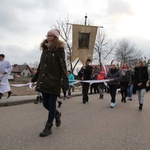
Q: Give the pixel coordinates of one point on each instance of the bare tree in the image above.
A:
(65, 33)
(126, 52)
(102, 49)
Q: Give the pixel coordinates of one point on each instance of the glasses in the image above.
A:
(48, 36)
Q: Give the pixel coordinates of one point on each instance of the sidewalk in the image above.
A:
(16, 100)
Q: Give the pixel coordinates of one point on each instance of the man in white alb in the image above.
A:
(5, 70)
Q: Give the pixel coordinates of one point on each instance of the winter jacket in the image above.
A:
(140, 75)
(52, 69)
(86, 73)
(71, 79)
(114, 74)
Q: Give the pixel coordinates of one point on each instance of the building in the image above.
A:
(21, 70)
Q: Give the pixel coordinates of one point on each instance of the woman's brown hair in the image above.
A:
(54, 45)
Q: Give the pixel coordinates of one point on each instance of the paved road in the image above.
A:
(90, 126)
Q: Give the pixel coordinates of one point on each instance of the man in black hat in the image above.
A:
(85, 73)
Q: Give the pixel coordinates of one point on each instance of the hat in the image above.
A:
(89, 60)
(102, 72)
(115, 63)
(2, 55)
(55, 32)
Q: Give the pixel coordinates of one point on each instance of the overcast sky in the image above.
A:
(24, 23)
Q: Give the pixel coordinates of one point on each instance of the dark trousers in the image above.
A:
(85, 91)
(124, 88)
(49, 102)
(64, 91)
(112, 91)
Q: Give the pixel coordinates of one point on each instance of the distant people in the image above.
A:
(63, 90)
(140, 80)
(38, 98)
(5, 70)
(148, 85)
(85, 74)
(125, 81)
(51, 69)
(131, 84)
(114, 76)
(94, 85)
(101, 76)
(71, 82)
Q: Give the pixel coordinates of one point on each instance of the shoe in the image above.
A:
(112, 105)
(130, 99)
(37, 100)
(84, 101)
(41, 100)
(59, 103)
(64, 98)
(140, 106)
(47, 130)
(101, 96)
(68, 97)
(124, 100)
(9, 93)
(57, 119)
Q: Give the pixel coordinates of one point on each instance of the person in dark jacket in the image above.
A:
(114, 76)
(85, 74)
(140, 80)
(125, 81)
(51, 70)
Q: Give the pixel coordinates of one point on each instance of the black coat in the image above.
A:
(113, 74)
(86, 73)
(140, 75)
(52, 69)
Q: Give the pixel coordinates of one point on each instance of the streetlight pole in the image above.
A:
(85, 18)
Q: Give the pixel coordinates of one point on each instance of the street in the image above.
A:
(90, 126)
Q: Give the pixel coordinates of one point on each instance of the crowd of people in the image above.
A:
(128, 80)
(50, 82)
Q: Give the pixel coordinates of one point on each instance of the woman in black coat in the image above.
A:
(114, 76)
(52, 69)
(140, 79)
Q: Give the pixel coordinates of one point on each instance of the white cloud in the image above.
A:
(24, 23)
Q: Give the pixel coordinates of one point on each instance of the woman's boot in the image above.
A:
(47, 130)
(57, 119)
(140, 106)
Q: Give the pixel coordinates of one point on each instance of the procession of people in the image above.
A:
(51, 82)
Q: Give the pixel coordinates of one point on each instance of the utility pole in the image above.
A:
(85, 19)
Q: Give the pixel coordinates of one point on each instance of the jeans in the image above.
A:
(69, 90)
(130, 91)
(141, 95)
(49, 103)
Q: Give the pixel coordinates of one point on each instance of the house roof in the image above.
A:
(19, 68)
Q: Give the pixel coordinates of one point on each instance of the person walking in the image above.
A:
(5, 70)
(71, 82)
(101, 76)
(125, 81)
(85, 74)
(131, 84)
(114, 76)
(51, 70)
(140, 80)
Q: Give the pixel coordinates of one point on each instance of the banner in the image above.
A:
(83, 42)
